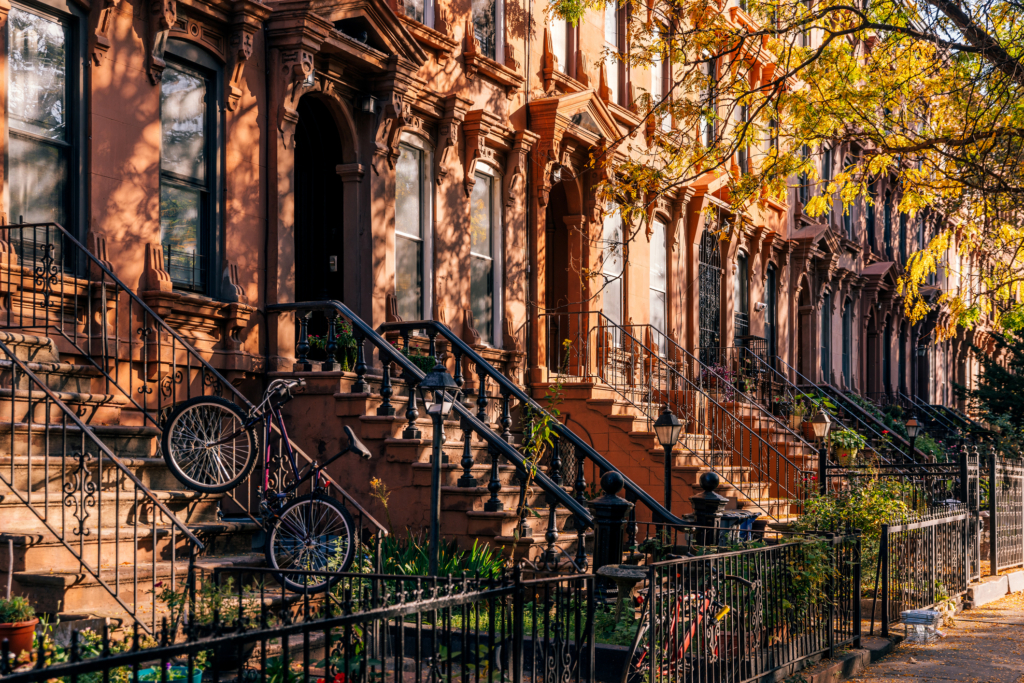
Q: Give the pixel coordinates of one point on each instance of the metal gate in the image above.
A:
(710, 297)
(1007, 514)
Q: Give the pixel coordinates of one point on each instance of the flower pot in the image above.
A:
(18, 635)
(795, 421)
(846, 456)
(808, 431)
(179, 673)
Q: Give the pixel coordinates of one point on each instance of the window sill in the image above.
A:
(502, 75)
(565, 82)
(442, 44)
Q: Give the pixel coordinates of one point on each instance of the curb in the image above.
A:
(993, 588)
(850, 663)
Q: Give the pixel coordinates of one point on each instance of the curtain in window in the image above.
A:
(409, 232)
(481, 289)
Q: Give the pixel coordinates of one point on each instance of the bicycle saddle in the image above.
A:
(355, 445)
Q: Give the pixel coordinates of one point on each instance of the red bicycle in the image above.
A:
(691, 621)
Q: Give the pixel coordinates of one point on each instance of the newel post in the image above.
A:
(609, 513)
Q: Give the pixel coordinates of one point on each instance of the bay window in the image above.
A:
(189, 166)
(484, 254)
(412, 230)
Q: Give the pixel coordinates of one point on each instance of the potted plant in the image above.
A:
(796, 415)
(17, 623)
(174, 673)
(847, 443)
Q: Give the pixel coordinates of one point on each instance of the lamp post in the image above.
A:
(441, 387)
(822, 425)
(913, 429)
(667, 428)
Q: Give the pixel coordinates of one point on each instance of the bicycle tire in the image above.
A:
(186, 440)
(283, 538)
(639, 651)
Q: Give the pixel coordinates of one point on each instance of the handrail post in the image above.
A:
(857, 616)
(518, 613)
(964, 485)
(883, 553)
(993, 551)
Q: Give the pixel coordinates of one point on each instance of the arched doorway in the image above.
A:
(709, 297)
(318, 204)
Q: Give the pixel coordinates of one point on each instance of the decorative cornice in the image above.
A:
(477, 125)
(515, 171)
(162, 16)
(455, 107)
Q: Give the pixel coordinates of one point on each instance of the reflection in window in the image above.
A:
(741, 296)
(485, 13)
(414, 9)
(613, 45)
(826, 338)
(560, 43)
(612, 265)
(870, 206)
(710, 102)
(659, 283)
(40, 137)
(409, 232)
(483, 204)
(184, 179)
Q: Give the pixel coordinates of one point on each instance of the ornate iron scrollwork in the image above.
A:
(46, 273)
(709, 297)
(168, 383)
(80, 493)
(210, 380)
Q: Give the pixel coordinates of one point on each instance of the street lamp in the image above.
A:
(822, 425)
(440, 386)
(667, 428)
(913, 429)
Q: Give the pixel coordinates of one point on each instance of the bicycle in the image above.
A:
(211, 445)
(675, 640)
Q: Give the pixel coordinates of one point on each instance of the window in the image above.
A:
(773, 135)
(412, 230)
(848, 210)
(658, 89)
(189, 210)
(741, 296)
(560, 43)
(826, 178)
(659, 281)
(869, 220)
(887, 225)
(420, 10)
(903, 237)
(484, 249)
(826, 339)
(613, 43)
(770, 312)
(487, 20)
(742, 154)
(847, 342)
(611, 267)
(42, 148)
(709, 131)
(805, 35)
(803, 189)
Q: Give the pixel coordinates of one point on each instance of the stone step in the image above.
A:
(454, 498)
(55, 473)
(452, 472)
(30, 347)
(58, 376)
(33, 405)
(419, 450)
(124, 441)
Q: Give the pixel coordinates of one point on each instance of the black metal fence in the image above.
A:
(1006, 512)
(737, 616)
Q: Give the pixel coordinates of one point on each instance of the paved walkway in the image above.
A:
(985, 646)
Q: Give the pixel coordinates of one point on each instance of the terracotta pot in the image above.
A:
(795, 421)
(846, 456)
(18, 635)
(808, 431)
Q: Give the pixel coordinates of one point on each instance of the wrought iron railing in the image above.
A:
(84, 494)
(56, 288)
(703, 397)
(936, 423)
(1005, 527)
(186, 268)
(500, 441)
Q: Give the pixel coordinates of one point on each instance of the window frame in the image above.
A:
(499, 31)
(847, 334)
(612, 213)
(650, 280)
(185, 55)
(486, 173)
(75, 194)
(428, 13)
(426, 220)
(741, 296)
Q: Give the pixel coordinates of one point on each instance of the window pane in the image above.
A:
(612, 238)
(414, 9)
(408, 206)
(558, 43)
(484, 26)
(409, 278)
(480, 216)
(38, 74)
(658, 316)
(611, 25)
(481, 296)
(183, 116)
(659, 259)
(36, 181)
(180, 217)
(611, 300)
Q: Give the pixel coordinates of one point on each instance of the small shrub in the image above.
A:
(15, 609)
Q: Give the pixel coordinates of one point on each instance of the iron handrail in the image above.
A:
(188, 348)
(835, 393)
(928, 410)
(699, 390)
(493, 439)
(968, 425)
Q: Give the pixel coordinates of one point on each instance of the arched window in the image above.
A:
(659, 282)
(45, 121)
(485, 254)
(848, 343)
(191, 121)
(413, 229)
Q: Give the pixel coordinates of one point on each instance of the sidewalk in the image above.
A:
(986, 645)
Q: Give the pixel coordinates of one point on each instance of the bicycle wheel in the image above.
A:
(636, 667)
(312, 533)
(207, 446)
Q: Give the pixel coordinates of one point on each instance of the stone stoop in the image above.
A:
(119, 536)
(315, 419)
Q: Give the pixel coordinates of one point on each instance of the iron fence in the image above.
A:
(1006, 512)
(737, 616)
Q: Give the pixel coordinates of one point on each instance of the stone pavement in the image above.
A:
(985, 646)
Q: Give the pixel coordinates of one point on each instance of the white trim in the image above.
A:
(427, 211)
(497, 252)
(499, 31)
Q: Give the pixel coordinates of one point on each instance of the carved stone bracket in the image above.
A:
(477, 125)
(677, 225)
(515, 170)
(101, 36)
(247, 20)
(544, 162)
(162, 15)
(297, 65)
(399, 87)
(231, 290)
(156, 276)
(455, 108)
